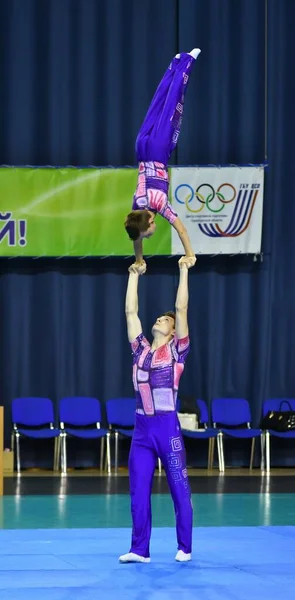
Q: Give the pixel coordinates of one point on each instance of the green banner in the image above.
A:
(70, 212)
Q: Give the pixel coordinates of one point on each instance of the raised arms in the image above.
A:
(134, 327)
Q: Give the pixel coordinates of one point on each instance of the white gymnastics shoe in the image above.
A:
(182, 557)
(195, 53)
(131, 557)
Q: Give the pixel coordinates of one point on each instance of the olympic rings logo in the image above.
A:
(225, 193)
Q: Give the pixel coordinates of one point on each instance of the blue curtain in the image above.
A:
(224, 118)
(279, 207)
(77, 77)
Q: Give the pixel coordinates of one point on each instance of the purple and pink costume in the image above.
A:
(157, 433)
(158, 138)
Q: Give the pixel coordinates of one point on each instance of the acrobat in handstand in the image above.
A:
(157, 138)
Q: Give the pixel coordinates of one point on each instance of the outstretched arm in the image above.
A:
(162, 206)
(181, 304)
(182, 232)
(131, 305)
(138, 251)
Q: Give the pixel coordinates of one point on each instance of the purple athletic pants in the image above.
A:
(160, 130)
(158, 436)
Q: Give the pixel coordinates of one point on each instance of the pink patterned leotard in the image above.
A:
(152, 190)
(156, 374)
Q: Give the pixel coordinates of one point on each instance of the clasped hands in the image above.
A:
(185, 262)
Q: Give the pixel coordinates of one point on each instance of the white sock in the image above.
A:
(195, 53)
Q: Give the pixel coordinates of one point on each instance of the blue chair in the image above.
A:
(276, 404)
(232, 416)
(34, 418)
(120, 416)
(80, 417)
(207, 433)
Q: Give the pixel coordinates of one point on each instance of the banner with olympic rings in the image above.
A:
(221, 207)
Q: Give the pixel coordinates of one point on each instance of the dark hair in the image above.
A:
(170, 314)
(136, 222)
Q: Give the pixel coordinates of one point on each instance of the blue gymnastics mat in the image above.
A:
(229, 563)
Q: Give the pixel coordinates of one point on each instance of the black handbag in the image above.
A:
(280, 420)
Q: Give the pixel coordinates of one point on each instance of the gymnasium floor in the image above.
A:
(61, 537)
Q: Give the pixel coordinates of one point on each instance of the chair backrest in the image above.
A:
(230, 411)
(79, 411)
(277, 404)
(32, 411)
(203, 409)
(121, 411)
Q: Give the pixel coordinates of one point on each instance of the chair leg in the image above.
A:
(252, 453)
(56, 454)
(212, 453)
(209, 453)
(267, 449)
(220, 452)
(105, 462)
(64, 454)
(262, 446)
(62, 466)
(108, 436)
(17, 453)
(59, 454)
(116, 451)
(101, 453)
(159, 466)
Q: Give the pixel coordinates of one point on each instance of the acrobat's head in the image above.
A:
(165, 326)
(140, 224)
